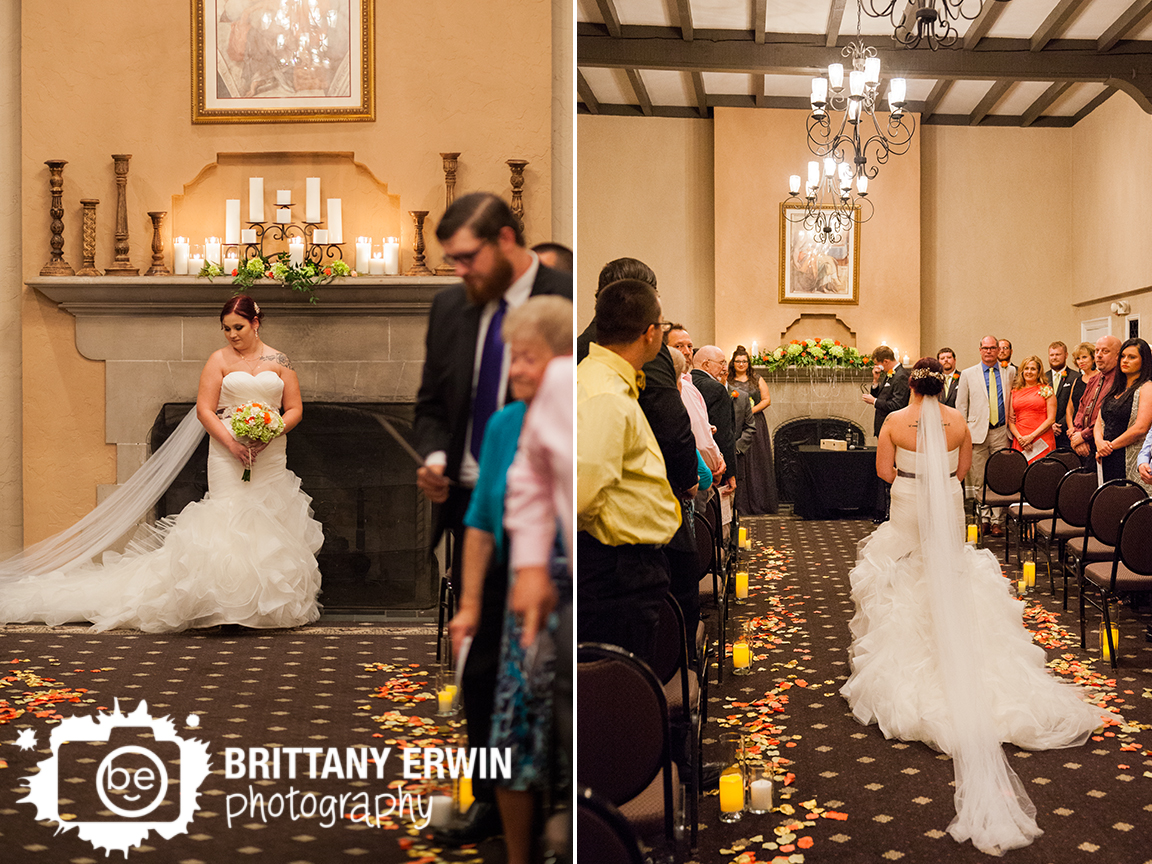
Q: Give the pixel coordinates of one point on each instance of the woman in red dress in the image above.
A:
(1032, 411)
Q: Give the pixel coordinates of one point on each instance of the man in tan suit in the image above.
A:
(987, 420)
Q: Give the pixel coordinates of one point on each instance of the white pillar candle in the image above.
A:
(248, 235)
(283, 215)
(180, 256)
(296, 251)
(335, 221)
(761, 795)
(320, 236)
(377, 264)
(255, 199)
(231, 262)
(440, 810)
(195, 264)
(392, 256)
(363, 255)
(232, 221)
(212, 249)
(283, 196)
(312, 200)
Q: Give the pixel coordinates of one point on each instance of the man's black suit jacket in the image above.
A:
(951, 388)
(721, 414)
(444, 400)
(891, 395)
(1063, 388)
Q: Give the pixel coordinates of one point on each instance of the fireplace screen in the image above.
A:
(377, 525)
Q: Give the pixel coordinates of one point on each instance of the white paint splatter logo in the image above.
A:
(131, 781)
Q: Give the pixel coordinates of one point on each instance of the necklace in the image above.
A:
(259, 350)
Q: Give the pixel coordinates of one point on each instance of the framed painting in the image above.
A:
(282, 61)
(813, 270)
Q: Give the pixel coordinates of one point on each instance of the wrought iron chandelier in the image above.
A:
(858, 137)
(932, 21)
(828, 207)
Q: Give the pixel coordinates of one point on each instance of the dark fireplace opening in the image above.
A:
(377, 525)
(806, 430)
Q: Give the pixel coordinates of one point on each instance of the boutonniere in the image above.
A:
(955, 376)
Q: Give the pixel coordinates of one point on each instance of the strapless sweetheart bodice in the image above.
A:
(240, 387)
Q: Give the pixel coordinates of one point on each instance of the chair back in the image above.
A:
(1069, 458)
(1133, 545)
(605, 835)
(1041, 480)
(1073, 495)
(1107, 508)
(671, 654)
(623, 721)
(1004, 471)
(705, 547)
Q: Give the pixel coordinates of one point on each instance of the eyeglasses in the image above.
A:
(465, 259)
(665, 326)
(989, 347)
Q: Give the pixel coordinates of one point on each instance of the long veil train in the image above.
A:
(992, 808)
(114, 516)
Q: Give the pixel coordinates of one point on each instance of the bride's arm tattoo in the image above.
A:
(280, 358)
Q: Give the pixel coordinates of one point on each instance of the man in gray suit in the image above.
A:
(983, 397)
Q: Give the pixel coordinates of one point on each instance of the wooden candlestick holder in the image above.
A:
(419, 268)
(158, 268)
(56, 265)
(121, 264)
(450, 163)
(89, 268)
(518, 166)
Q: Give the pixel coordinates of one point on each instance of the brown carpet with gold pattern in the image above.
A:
(856, 797)
(339, 689)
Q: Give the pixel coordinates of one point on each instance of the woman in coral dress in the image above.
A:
(1032, 411)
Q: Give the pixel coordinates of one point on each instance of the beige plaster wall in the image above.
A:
(645, 190)
(11, 511)
(563, 112)
(756, 151)
(476, 78)
(999, 246)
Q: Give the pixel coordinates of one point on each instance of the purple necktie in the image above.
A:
(488, 382)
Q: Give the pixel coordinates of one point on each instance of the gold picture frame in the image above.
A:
(819, 273)
(247, 62)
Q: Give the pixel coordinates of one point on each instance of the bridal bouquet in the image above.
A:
(255, 422)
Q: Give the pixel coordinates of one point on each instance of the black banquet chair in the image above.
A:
(605, 835)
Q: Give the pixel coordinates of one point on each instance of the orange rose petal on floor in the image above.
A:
(805, 842)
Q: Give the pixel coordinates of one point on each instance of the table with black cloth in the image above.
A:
(835, 483)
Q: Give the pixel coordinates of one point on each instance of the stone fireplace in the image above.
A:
(358, 352)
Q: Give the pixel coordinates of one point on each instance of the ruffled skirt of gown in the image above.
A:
(243, 554)
(896, 681)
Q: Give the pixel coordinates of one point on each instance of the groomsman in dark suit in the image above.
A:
(890, 392)
(710, 366)
(947, 358)
(1062, 383)
(464, 382)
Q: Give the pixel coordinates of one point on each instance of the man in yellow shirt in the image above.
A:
(625, 509)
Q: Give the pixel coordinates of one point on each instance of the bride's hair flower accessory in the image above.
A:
(922, 372)
(256, 306)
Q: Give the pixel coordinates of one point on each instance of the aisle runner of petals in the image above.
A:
(764, 737)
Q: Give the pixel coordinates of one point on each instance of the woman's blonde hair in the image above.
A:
(547, 317)
(1085, 346)
(1018, 381)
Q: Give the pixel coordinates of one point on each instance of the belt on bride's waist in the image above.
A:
(912, 476)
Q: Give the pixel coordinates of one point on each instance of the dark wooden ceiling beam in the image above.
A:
(701, 96)
(939, 91)
(1132, 18)
(1045, 101)
(586, 93)
(991, 98)
(759, 19)
(684, 11)
(641, 91)
(1100, 99)
(983, 22)
(1054, 24)
(611, 19)
(835, 16)
(1130, 72)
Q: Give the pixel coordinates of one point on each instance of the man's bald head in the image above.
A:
(1107, 353)
(711, 360)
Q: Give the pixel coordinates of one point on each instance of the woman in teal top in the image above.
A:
(535, 333)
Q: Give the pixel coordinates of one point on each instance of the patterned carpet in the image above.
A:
(343, 687)
(858, 797)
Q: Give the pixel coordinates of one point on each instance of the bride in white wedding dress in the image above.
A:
(244, 554)
(939, 651)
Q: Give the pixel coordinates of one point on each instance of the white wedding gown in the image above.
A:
(243, 554)
(940, 655)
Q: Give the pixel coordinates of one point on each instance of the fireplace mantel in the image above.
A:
(180, 296)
